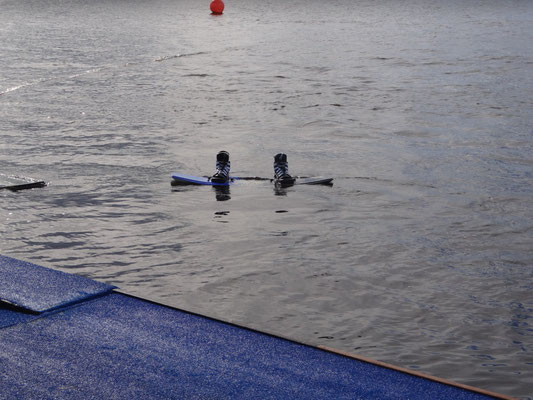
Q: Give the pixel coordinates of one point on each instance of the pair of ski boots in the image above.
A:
(281, 169)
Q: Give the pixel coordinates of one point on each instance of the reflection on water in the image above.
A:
(222, 193)
(280, 190)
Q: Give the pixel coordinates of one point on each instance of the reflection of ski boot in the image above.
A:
(281, 170)
(222, 168)
(222, 192)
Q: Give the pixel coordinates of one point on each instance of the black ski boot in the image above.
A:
(221, 174)
(281, 170)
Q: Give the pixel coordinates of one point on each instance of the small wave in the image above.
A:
(198, 53)
(165, 58)
(12, 89)
(23, 85)
(89, 71)
(171, 57)
(51, 79)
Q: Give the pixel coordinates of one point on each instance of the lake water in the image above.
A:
(420, 254)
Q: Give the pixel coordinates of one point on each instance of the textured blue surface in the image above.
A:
(10, 316)
(40, 289)
(118, 347)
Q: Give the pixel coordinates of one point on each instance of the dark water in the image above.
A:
(421, 254)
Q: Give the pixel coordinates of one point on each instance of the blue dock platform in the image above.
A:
(64, 336)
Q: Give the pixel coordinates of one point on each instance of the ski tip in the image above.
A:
(318, 180)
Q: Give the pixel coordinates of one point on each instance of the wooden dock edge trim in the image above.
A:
(329, 349)
(416, 373)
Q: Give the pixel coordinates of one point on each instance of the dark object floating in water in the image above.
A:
(19, 184)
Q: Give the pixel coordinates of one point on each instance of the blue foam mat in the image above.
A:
(39, 289)
(119, 347)
(10, 316)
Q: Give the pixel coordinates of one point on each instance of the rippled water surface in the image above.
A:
(420, 254)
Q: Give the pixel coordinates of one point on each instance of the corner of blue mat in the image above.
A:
(38, 289)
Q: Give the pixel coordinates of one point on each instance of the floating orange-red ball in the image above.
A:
(217, 6)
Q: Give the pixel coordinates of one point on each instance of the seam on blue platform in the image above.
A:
(24, 310)
(80, 301)
(56, 310)
(17, 308)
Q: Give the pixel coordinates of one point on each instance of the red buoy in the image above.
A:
(217, 6)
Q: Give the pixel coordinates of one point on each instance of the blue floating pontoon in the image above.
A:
(63, 336)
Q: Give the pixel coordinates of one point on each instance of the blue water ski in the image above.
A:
(184, 179)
